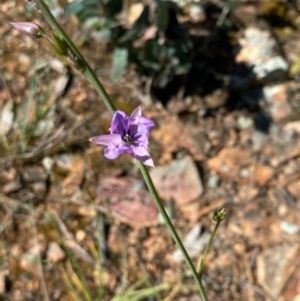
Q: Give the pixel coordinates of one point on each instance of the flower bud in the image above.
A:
(30, 29)
(219, 215)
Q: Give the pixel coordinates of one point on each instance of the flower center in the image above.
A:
(127, 139)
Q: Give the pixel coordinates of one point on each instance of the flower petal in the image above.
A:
(141, 154)
(141, 136)
(107, 139)
(146, 122)
(135, 115)
(119, 123)
(114, 151)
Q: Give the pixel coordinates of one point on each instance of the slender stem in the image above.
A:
(89, 73)
(201, 263)
(171, 228)
(87, 70)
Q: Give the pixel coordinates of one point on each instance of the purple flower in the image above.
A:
(128, 134)
(30, 29)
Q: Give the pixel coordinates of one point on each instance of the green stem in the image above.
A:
(87, 70)
(201, 263)
(171, 228)
(89, 73)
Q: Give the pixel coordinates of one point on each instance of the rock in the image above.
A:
(229, 162)
(8, 175)
(174, 134)
(80, 235)
(129, 200)
(282, 146)
(244, 173)
(61, 84)
(30, 261)
(134, 213)
(289, 228)
(169, 139)
(293, 126)
(48, 163)
(74, 166)
(178, 180)
(63, 163)
(213, 181)
(12, 186)
(127, 188)
(196, 141)
(258, 140)
(196, 13)
(253, 221)
(294, 188)
(261, 173)
(54, 252)
(39, 189)
(278, 105)
(261, 53)
(34, 173)
(245, 122)
(246, 194)
(190, 211)
(283, 199)
(275, 267)
(6, 117)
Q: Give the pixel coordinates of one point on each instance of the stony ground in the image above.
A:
(75, 226)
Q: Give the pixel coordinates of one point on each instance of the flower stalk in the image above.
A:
(217, 217)
(89, 73)
(85, 67)
(171, 228)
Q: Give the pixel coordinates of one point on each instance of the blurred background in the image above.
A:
(221, 81)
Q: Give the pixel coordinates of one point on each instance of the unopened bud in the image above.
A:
(219, 215)
(30, 29)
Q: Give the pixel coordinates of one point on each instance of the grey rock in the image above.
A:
(213, 181)
(245, 122)
(275, 265)
(34, 173)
